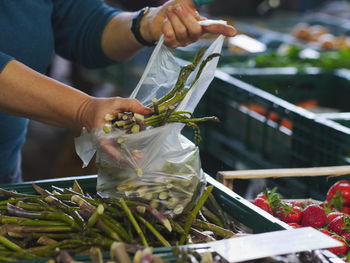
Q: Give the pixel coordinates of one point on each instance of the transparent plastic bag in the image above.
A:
(159, 166)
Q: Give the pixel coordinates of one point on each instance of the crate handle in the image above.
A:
(227, 177)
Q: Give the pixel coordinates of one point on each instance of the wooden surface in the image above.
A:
(227, 177)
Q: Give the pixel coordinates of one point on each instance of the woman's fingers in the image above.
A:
(131, 105)
(169, 35)
(177, 25)
(182, 28)
(108, 146)
(225, 30)
(189, 21)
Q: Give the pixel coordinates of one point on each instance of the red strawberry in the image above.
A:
(325, 231)
(345, 209)
(295, 203)
(339, 191)
(295, 225)
(340, 225)
(263, 204)
(341, 250)
(289, 214)
(346, 236)
(261, 195)
(333, 215)
(313, 215)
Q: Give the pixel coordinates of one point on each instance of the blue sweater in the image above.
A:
(31, 32)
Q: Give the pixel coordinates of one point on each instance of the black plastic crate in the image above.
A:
(332, 141)
(260, 139)
(267, 119)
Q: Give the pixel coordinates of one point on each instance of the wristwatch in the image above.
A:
(135, 27)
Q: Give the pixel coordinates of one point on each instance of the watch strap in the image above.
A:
(135, 27)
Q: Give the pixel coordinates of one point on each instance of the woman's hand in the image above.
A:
(91, 115)
(178, 21)
(92, 111)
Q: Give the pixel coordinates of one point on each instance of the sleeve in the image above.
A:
(78, 26)
(4, 59)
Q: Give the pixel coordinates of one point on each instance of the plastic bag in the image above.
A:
(160, 166)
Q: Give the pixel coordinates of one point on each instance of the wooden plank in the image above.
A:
(226, 176)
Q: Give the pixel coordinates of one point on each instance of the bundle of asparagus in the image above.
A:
(164, 109)
(119, 253)
(156, 167)
(68, 219)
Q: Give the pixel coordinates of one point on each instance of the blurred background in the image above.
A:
(285, 106)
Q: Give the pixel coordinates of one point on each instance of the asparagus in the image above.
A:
(96, 214)
(21, 221)
(9, 244)
(160, 217)
(40, 190)
(17, 211)
(217, 208)
(118, 252)
(154, 231)
(28, 229)
(217, 230)
(64, 257)
(77, 188)
(32, 231)
(201, 237)
(134, 222)
(96, 255)
(211, 216)
(164, 108)
(45, 240)
(67, 209)
(107, 230)
(29, 206)
(191, 217)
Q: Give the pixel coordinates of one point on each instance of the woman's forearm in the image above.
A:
(118, 42)
(26, 93)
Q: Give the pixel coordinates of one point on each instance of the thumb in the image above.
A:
(133, 105)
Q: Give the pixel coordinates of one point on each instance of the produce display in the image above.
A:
(320, 36)
(295, 56)
(331, 216)
(35, 226)
(70, 225)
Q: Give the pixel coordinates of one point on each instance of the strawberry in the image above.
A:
(295, 203)
(345, 209)
(289, 214)
(325, 231)
(261, 195)
(339, 194)
(340, 225)
(346, 236)
(313, 215)
(263, 204)
(295, 225)
(341, 250)
(333, 215)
